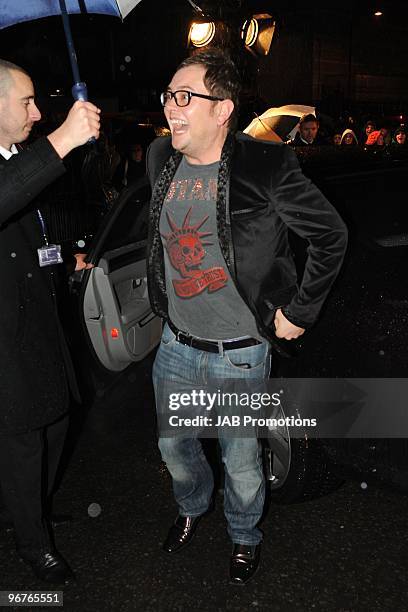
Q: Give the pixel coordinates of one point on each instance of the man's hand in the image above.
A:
(286, 329)
(81, 124)
(81, 264)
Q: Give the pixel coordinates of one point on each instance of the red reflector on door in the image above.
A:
(114, 332)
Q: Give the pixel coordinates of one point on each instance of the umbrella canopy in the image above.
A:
(17, 11)
(278, 123)
(260, 129)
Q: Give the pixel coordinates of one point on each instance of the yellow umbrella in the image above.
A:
(259, 129)
(281, 121)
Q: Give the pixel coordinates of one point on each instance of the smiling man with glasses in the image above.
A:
(221, 275)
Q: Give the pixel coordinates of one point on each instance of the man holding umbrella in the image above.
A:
(308, 132)
(36, 370)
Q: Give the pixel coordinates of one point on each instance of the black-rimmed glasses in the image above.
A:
(183, 97)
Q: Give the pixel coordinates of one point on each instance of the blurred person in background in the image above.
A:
(308, 133)
(400, 137)
(348, 138)
(99, 165)
(132, 165)
(368, 129)
(376, 139)
(386, 136)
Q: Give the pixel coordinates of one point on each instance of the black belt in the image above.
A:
(208, 345)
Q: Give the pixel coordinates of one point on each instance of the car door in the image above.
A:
(120, 325)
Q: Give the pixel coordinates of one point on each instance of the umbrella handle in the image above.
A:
(80, 92)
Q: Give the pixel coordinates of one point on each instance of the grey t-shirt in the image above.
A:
(203, 299)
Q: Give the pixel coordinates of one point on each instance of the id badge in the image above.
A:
(49, 255)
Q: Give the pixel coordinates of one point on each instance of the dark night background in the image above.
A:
(344, 552)
(338, 55)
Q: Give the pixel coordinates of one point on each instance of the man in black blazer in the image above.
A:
(308, 133)
(221, 274)
(35, 367)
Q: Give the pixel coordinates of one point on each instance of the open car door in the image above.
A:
(119, 321)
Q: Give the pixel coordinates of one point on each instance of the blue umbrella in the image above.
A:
(17, 11)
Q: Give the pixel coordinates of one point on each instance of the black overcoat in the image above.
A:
(34, 361)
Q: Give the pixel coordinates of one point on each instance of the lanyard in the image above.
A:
(43, 227)
(39, 215)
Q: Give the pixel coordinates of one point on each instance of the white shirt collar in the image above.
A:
(6, 153)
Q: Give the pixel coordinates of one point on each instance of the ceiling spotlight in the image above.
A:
(201, 34)
(250, 31)
(378, 13)
(258, 32)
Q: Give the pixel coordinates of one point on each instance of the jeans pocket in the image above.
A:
(167, 336)
(248, 359)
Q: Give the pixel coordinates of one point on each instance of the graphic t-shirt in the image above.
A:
(203, 299)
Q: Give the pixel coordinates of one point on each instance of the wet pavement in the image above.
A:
(344, 552)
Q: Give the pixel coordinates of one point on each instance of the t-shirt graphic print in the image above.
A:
(185, 246)
(202, 297)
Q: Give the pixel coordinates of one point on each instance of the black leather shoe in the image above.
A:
(244, 563)
(181, 533)
(55, 519)
(49, 566)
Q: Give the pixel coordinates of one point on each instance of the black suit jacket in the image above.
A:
(34, 358)
(261, 193)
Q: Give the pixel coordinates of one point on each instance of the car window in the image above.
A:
(129, 225)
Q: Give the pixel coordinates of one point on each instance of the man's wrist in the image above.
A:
(60, 143)
(292, 319)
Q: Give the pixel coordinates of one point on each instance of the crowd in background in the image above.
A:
(98, 173)
(370, 135)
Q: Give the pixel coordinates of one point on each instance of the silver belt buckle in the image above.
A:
(186, 340)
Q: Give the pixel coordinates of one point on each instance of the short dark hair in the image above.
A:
(5, 76)
(221, 78)
(307, 118)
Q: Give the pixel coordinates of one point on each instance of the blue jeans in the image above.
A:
(244, 489)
